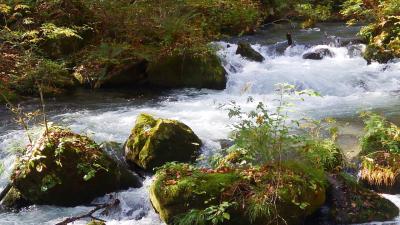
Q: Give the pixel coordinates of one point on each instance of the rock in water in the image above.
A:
(318, 54)
(353, 204)
(153, 142)
(202, 70)
(180, 188)
(245, 50)
(64, 168)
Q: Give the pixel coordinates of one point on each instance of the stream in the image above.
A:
(347, 84)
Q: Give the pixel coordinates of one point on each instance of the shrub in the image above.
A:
(383, 31)
(380, 135)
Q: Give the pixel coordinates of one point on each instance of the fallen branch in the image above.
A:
(90, 213)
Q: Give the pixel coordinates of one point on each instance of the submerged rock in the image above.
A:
(153, 142)
(64, 168)
(351, 203)
(246, 51)
(380, 171)
(179, 189)
(203, 70)
(318, 54)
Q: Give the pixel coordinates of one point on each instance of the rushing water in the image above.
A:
(348, 85)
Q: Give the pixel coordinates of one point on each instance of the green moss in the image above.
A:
(96, 222)
(155, 142)
(14, 199)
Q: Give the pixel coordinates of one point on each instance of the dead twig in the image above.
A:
(90, 213)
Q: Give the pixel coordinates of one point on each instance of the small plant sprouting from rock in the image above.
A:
(21, 118)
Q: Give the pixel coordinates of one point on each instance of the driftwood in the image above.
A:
(115, 202)
(5, 191)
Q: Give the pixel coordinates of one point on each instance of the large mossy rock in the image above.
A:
(246, 51)
(153, 142)
(354, 204)
(179, 189)
(380, 171)
(64, 168)
(203, 70)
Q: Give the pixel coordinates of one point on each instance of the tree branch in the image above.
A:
(90, 213)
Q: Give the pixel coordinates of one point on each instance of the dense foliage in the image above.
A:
(380, 135)
(56, 43)
(382, 31)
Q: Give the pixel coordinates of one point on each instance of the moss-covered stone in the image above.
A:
(179, 188)
(352, 203)
(245, 50)
(14, 200)
(154, 142)
(381, 171)
(64, 168)
(203, 70)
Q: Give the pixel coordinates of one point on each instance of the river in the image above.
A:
(347, 85)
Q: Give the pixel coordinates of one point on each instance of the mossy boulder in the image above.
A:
(246, 51)
(380, 171)
(202, 70)
(64, 168)
(351, 203)
(179, 189)
(153, 142)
